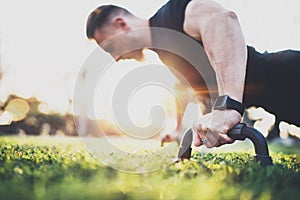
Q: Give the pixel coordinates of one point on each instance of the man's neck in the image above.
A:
(146, 35)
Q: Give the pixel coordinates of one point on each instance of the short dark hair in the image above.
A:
(101, 16)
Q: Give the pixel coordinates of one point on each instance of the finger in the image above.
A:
(226, 139)
(197, 139)
(212, 139)
(218, 143)
(217, 139)
(202, 132)
(202, 129)
(223, 139)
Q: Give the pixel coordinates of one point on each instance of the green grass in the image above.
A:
(60, 168)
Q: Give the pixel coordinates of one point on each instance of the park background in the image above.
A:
(43, 47)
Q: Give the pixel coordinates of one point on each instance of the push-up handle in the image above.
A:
(239, 132)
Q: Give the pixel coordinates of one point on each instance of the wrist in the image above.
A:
(234, 114)
(234, 96)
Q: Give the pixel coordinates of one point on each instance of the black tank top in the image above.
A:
(171, 16)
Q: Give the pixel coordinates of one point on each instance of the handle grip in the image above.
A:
(239, 132)
(236, 133)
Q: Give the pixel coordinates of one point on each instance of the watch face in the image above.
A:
(221, 103)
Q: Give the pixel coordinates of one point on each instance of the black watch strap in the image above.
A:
(225, 102)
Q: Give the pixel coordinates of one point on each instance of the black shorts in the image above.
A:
(273, 82)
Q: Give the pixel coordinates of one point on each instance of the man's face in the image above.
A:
(119, 44)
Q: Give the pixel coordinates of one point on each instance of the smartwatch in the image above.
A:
(225, 102)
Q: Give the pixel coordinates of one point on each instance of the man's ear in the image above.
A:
(120, 23)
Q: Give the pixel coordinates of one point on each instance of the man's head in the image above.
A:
(112, 28)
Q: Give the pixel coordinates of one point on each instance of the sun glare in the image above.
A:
(142, 100)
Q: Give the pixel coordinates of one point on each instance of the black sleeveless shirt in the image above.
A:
(171, 16)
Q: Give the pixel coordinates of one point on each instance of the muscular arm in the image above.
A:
(220, 32)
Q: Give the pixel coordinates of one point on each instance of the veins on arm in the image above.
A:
(223, 40)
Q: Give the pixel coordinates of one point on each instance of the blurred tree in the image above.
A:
(0, 57)
(1, 70)
(34, 121)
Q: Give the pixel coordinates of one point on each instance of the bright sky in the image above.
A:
(43, 43)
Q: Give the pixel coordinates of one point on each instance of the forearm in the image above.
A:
(226, 49)
(220, 32)
(222, 37)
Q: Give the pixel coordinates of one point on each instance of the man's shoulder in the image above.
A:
(170, 15)
(174, 5)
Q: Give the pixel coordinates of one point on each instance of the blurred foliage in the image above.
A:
(34, 122)
(31, 171)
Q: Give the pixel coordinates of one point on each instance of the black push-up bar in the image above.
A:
(239, 132)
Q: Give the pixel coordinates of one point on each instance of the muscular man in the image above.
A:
(244, 76)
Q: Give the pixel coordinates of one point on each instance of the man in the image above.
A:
(244, 76)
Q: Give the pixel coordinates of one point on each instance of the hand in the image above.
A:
(174, 136)
(212, 128)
